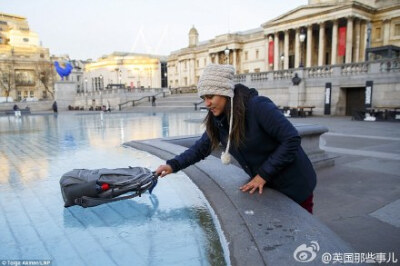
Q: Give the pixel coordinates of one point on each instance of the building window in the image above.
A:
(397, 30)
(185, 79)
(245, 71)
(25, 39)
(41, 55)
(185, 65)
(256, 70)
(246, 55)
(197, 63)
(257, 53)
(377, 34)
(19, 96)
(31, 94)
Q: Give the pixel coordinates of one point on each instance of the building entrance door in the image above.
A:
(355, 100)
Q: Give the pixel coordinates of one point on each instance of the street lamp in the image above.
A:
(302, 37)
(101, 82)
(226, 51)
(368, 41)
(165, 80)
(282, 59)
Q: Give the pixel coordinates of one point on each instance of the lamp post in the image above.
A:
(302, 37)
(101, 82)
(368, 41)
(226, 51)
(282, 59)
(165, 80)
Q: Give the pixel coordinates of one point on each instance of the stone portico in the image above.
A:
(324, 42)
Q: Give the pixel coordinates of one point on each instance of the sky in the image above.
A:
(86, 29)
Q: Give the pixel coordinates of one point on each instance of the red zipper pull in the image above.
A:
(105, 187)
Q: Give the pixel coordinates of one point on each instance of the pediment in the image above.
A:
(301, 12)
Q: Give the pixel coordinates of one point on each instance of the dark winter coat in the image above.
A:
(271, 149)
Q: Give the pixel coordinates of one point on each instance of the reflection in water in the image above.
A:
(171, 227)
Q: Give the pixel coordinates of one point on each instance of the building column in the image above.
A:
(268, 68)
(309, 46)
(276, 51)
(297, 49)
(334, 42)
(349, 40)
(286, 50)
(234, 58)
(321, 44)
(386, 31)
(357, 33)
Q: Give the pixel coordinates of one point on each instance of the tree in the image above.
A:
(45, 75)
(6, 80)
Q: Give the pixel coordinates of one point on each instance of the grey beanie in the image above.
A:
(217, 80)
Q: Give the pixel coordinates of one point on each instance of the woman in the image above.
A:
(255, 132)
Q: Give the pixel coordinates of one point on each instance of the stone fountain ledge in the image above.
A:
(260, 229)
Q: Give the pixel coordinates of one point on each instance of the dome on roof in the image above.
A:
(193, 31)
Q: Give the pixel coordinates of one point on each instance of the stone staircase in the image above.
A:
(178, 102)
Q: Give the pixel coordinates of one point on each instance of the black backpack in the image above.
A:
(89, 188)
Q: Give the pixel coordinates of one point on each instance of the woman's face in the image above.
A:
(215, 103)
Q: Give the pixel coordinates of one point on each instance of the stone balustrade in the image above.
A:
(327, 71)
(354, 69)
(259, 77)
(283, 74)
(318, 72)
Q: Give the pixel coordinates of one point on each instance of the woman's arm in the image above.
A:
(198, 151)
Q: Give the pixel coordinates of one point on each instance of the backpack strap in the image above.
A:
(91, 202)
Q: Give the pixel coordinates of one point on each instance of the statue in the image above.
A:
(296, 80)
(63, 72)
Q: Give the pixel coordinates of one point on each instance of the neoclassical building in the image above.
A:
(25, 66)
(130, 70)
(324, 32)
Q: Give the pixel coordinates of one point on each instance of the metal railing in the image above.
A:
(134, 102)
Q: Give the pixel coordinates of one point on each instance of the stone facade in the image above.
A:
(25, 67)
(124, 69)
(325, 41)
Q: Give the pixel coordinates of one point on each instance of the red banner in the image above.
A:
(342, 41)
(271, 52)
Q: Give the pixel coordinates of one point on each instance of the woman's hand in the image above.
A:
(164, 170)
(256, 182)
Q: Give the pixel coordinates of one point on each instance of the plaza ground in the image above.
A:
(359, 197)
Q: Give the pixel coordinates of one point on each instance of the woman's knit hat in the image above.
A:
(218, 80)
